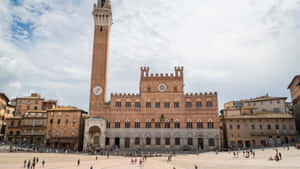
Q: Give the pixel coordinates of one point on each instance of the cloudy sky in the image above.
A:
(240, 49)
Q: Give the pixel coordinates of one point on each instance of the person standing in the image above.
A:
(25, 163)
(37, 160)
(78, 162)
(91, 167)
(196, 167)
(43, 163)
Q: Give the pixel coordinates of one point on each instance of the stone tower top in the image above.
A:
(102, 13)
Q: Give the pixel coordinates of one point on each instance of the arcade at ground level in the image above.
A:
(224, 160)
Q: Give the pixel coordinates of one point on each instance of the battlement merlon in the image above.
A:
(125, 95)
(200, 94)
(102, 13)
(160, 76)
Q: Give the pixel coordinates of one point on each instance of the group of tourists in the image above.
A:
(277, 156)
(33, 164)
(246, 154)
(141, 160)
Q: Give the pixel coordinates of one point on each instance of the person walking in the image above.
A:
(196, 167)
(25, 161)
(33, 165)
(37, 160)
(43, 163)
(280, 156)
(91, 167)
(78, 162)
(28, 164)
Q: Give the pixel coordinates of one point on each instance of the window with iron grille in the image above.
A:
(210, 124)
(137, 124)
(148, 141)
(176, 104)
(157, 105)
(189, 125)
(157, 141)
(188, 104)
(127, 124)
(199, 124)
(167, 105)
(167, 141)
(198, 104)
(148, 124)
(137, 104)
(209, 104)
(190, 141)
(176, 125)
(177, 141)
(137, 141)
(128, 104)
(148, 105)
(167, 124)
(117, 124)
(157, 124)
(118, 104)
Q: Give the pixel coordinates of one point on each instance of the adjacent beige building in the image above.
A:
(32, 102)
(29, 129)
(259, 121)
(6, 110)
(295, 95)
(65, 128)
(3, 106)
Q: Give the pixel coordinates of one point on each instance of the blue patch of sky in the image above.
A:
(21, 30)
(16, 2)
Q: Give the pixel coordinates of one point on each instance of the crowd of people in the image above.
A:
(277, 155)
(246, 154)
(34, 163)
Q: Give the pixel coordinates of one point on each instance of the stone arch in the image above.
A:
(94, 136)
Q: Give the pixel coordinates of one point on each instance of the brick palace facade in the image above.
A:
(160, 117)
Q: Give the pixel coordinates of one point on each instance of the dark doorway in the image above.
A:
(248, 144)
(263, 142)
(117, 142)
(240, 143)
(127, 142)
(286, 139)
(200, 143)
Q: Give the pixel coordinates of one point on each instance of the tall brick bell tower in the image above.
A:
(102, 13)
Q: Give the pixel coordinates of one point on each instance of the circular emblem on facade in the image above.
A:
(97, 90)
(162, 87)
